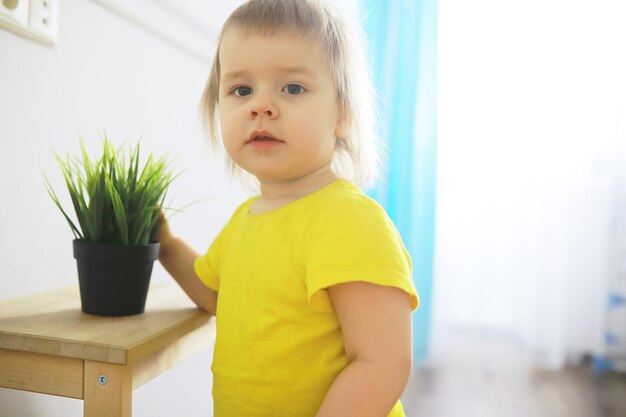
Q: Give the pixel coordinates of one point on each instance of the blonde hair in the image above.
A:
(357, 157)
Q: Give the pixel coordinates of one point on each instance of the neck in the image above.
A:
(286, 191)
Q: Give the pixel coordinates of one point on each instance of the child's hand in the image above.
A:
(163, 234)
(178, 258)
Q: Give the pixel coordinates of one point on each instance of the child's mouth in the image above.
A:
(263, 140)
(261, 136)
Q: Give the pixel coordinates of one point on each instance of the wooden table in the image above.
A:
(48, 345)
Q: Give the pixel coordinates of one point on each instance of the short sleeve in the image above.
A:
(208, 266)
(356, 242)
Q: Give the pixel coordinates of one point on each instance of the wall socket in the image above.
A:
(34, 19)
(43, 17)
(15, 11)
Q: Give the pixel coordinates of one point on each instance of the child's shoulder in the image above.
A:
(244, 207)
(344, 199)
(346, 194)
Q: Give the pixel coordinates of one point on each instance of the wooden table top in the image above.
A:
(52, 323)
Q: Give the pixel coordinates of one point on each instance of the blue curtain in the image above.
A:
(402, 38)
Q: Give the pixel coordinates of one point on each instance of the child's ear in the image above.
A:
(341, 129)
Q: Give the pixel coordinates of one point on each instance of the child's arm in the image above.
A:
(177, 257)
(376, 325)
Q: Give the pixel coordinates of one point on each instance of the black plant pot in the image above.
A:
(114, 279)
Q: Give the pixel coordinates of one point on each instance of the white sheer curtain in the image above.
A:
(529, 113)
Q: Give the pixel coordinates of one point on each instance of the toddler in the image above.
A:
(309, 281)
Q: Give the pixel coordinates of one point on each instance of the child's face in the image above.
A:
(278, 106)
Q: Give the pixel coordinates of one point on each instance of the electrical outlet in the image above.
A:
(14, 11)
(33, 19)
(43, 17)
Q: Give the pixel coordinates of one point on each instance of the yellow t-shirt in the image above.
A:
(279, 344)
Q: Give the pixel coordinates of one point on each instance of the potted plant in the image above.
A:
(116, 200)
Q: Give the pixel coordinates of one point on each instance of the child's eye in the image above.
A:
(242, 91)
(293, 89)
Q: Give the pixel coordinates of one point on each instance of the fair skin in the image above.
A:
(277, 87)
(177, 257)
(280, 121)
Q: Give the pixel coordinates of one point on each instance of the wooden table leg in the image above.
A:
(108, 390)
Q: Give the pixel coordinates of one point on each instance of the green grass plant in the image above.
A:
(115, 197)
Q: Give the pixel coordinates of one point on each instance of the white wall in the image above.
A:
(105, 73)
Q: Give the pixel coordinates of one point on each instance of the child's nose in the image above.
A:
(262, 107)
